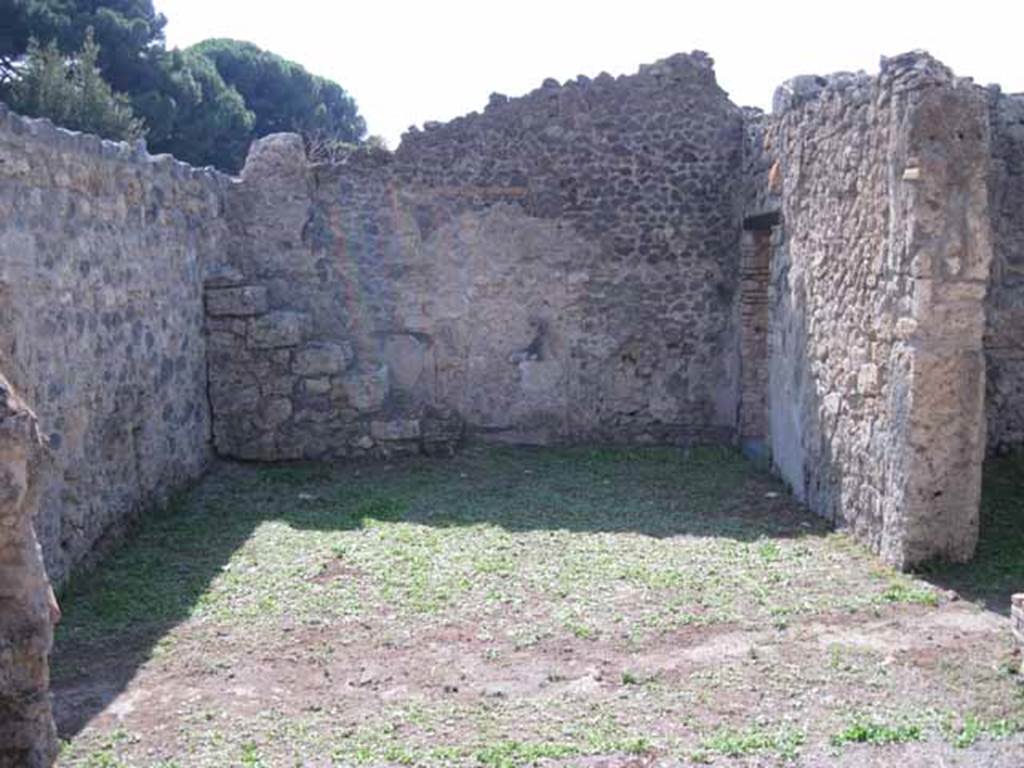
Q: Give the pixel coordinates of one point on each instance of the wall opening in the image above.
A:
(754, 301)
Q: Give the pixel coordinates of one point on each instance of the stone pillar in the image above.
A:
(27, 611)
(877, 371)
(942, 204)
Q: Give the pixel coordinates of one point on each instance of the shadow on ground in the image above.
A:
(997, 570)
(161, 576)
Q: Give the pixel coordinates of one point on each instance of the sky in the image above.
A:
(406, 63)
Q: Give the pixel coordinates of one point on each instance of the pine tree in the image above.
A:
(72, 92)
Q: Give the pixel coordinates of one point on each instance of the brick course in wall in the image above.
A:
(754, 304)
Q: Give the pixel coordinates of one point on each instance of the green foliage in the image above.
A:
(282, 95)
(73, 93)
(971, 728)
(204, 105)
(124, 30)
(195, 115)
(865, 731)
(512, 754)
(785, 742)
(910, 594)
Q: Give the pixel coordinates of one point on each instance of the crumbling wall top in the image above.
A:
(692, 72)
(906, 71)
(43, 131)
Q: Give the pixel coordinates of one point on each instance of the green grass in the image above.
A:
(783, 742)
(971, 728)
(571, 524)
(909, 594)
(866, 730)
(609, 574)
(512, 754)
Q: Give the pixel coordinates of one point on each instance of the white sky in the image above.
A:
(409, 62)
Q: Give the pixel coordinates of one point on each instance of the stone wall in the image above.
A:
(876, 390)
(561, 266)
(101, 321)
(1004, 334)
(568, 265)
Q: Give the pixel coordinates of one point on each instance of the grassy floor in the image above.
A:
(514, 606)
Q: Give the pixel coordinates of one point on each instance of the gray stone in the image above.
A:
(318, 386)
(366, 390)
(396, 429)
(273, 156)
(322, 358)
(103, 255)
(441, 431)
(796, 91)
(277, 329)
(875, 404)
(363, 442)
(223, 276)
(238, 302)
(566, 266)
(275, 412)
(406, 358)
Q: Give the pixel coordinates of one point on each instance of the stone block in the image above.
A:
(278, 385)
(322, 359)
(366, 390)
(274, 412)
(441, 431)
(406, 358)
(362, 443)
(223, 276)
(317, 386)
(867, 379)
(243, 301)
(541, 377)
(234, 399)
(277, 329)
(395, 429)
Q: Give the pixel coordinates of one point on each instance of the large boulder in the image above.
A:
(28, 738)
